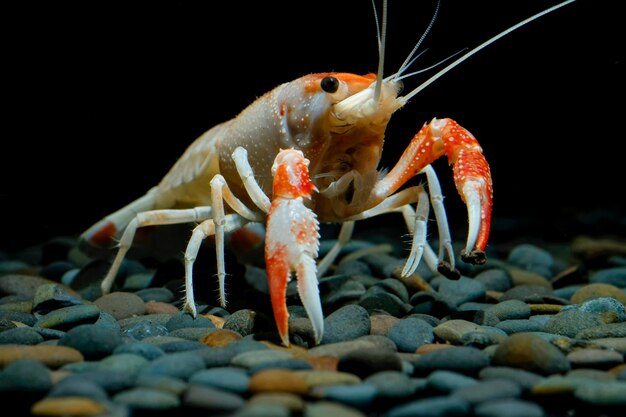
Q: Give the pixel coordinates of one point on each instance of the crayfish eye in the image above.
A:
(329, 84)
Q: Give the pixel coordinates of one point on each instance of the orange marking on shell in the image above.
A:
(104, 236)
(293, 186)
(277, 278)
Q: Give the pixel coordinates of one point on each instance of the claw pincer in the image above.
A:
(292, 242)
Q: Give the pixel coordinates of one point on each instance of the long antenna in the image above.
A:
(381, 54)
(481, 46)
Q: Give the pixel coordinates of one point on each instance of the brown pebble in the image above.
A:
(67, 406)
(590, 248)
(278, 380)
(26, 285)
(322, 363)
(220, 338)
(522, 277)
(159, 307)
(430, 347)
(121, 305)
(544, 308)
(51, 356)
(597, 290)
(216, 320)
(381, 323)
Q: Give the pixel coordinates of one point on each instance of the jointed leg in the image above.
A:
(150, 218)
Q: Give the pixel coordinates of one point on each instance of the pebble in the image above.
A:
(497, 341)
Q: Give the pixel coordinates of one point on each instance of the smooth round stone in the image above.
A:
(139, 280)
(395, 287)
(68, 406)
(225, 378)
(278, 380)
(18, 316)
(78, 386)
(355, 395)
(241, 321)
(382, 323)
(327, 408)
(392, 384)
(194, 334)
(108, 321)
(184, 320)
(220, 338)
(94, 342)
(21, 284)
(613, 276)
(432, 407)
(211, 400)
(510, 310)
(160, 319)
(144, 329)
(524, 378)
(495, 279)
(256, 358)
(147, 399)
(353, 267)
(145, 350)
(346, 323)
(365, 362)
(602, 393)
(384, 301)
(178, 365)
(489, 390)
(53, 296)
(460, 291)
(532, 258)
(316, 378)
(182, 346)
(453, 331)
(519, 326)
(110, 381)
(349, 291)
(51, 356)
(121, 305)
(411, 333)
(25, 375)
(447, 381)
(162, 382)
(608, 309)
(160, 294)
(129, 363)
(291, 402)
(292, 364)
(604, 331)
(463, 359)
(532, 353)
(338, 350)
(509, 407)
(69, 316)
(527, 293)
(598, 290)
(570, 323)
(595, 358)
(20, 336)
(568, 291)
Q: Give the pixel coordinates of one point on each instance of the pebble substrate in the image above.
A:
(539, 330)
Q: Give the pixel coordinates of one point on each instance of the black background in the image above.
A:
(100, 100)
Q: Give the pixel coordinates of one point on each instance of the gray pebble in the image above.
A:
(532, 258)
(20, 336)
(349, 291)
(241, 321)
(254, 358)
(179, 365)
(356, 395)
(448, 381)
(395, 287)
(510, 309)
(327, 408)
(146, 350)
(347, 323)
(147, 399)
(162, 382)
(161, 319)
(129, 363)
(570, 323)
(51, 297)
(602, 393)
(183, 320)
(392, 384)
(384, 301)
(509, 407)
(495, 279)
(108, 321)
(527, 293)
(595, 358)
(94, 342)
(463, 359)
(531, 352)
(489, 390)
(25, 376)
(143, 329)
(613, 276)
(160, 294)
(453, 331)
(18, 316)
(432, 407)
(211, 399)
(525, 379)
(110, 381)
(603, 331)
(519, 326)
(293, 364)
(462, 290)
(353, 267)
(182, 346)
(260, 409)
(607, 309)
(411, 333)
(139, 280)
(78, 386)
(225, 378)
(66, 317)
(192, 333)
(365, 362)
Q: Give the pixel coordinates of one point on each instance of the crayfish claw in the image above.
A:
(475, 257)
(448, 271)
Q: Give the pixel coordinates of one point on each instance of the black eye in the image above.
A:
(330, 84)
